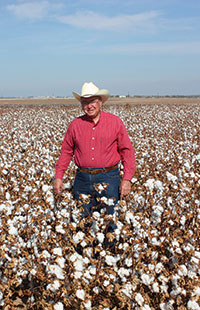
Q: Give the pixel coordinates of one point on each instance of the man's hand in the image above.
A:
(58, 186)
(125, 188)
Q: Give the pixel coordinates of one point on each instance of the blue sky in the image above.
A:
(136, 47)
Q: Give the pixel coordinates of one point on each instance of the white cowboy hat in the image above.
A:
(90, 90)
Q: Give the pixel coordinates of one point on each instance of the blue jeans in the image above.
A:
(84, 184)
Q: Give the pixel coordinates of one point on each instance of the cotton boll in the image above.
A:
(57, 251)
(155, 287)
(139, 299)
(61, 262)
(146, 307)
(59, 229)
(100, 237)
(92, 270)
(88, 305)
(53, 286)
(80, 293)
(55, 269)
(58, 306)
(159, 267)
(182, 271)
(193, 305)
(147, 279)
(106, 283)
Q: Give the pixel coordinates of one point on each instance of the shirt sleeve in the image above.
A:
(126, 152)
(66, 154)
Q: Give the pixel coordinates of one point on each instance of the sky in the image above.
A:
(130, 47)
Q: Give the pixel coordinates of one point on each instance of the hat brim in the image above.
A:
(103, 93)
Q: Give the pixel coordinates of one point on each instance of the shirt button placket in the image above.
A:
(93, 141)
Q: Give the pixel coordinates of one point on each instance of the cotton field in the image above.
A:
(156, 261)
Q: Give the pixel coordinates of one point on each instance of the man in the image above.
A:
(98, 141)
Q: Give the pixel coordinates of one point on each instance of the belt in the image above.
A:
(96, 171)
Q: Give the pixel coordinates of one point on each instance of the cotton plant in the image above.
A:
(155, 261)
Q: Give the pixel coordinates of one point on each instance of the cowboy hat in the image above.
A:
(91, 90)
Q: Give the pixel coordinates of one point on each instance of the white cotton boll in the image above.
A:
(147, 279)
(146, 307)
(45, 188)
(150, 184)
(13, 230)
(57, 251)
(193, 305)
(175, 243)
(130, 218)
(97, 290)
(103, 253)
(59, 229)
(151, 267)
(194, 260)
(196, 292)
(78, 265)
(46, 254)
(64, 213)
(55, 269)
(100, 237)
(96, 215)
(182, 271)
(83, 244)
(88, 305)
(139, 299)
(197, 254)
(123, 272)
(128, 289)
(164, 288)
(80, 294)
(187, 166)
(110, 260)
(158, 267)
(88, 251)
(67, 185)
(86, 260)
(158, 185)
(171, 177)
(53, 286)
(167, 306)
(58, 306)
(128, 262)
(7, 195)
(183, 220)
(106, 283)
(78, 275)
(155, 287)
(33, 272)
(92, 270)
(1, 295)
(154, 241)
(88, 275)
(61, 262)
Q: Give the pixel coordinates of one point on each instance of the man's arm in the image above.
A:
(62, 164)
(127, 155)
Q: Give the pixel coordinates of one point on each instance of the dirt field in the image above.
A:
(112, 100)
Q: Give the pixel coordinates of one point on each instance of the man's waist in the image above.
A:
(98, 170)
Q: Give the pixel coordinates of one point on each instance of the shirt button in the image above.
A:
(92, 138)
(93, 128)
(92, 148)
(92, 158)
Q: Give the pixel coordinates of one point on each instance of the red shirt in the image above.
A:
(97, 145)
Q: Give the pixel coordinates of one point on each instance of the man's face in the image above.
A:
(91, 106)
